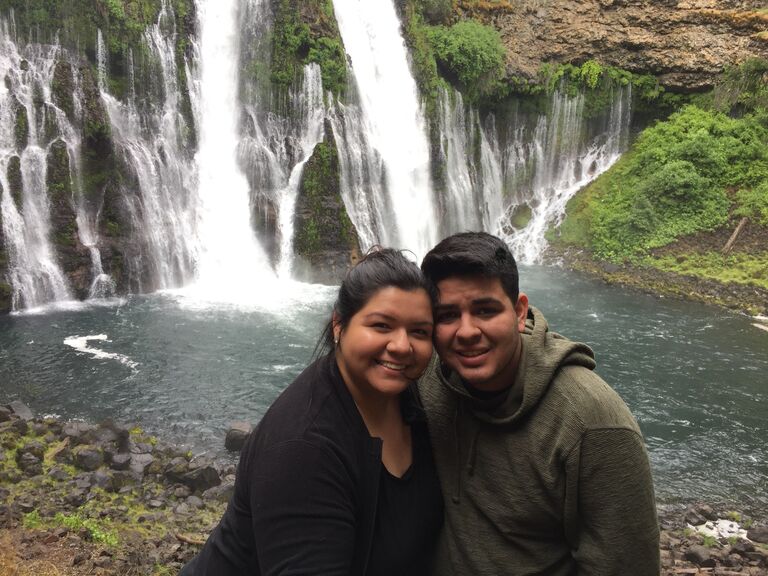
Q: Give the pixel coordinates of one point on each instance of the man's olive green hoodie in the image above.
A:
(554, 480)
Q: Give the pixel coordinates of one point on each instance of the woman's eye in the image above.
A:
(445, 317)
(380, 326)
(421, 333)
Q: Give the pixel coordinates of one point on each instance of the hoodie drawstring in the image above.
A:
(471, 454)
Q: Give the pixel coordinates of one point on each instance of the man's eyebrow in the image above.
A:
(487, 300)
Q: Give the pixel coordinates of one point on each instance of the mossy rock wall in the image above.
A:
(5, 286)
(325, 238)
(15, 182)
(73, 256)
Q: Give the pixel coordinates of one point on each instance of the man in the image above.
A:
(543, 468)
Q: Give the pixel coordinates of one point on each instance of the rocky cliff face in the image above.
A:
(686, 43)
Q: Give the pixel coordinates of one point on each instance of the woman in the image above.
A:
(338, 477)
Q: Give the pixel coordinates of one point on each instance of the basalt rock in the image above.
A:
(236, 436)
(21, 410)
(15, 182)
(685, 43)
(88, 457)
(325, 238)
(73, 256)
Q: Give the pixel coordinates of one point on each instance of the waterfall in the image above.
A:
(25, 104)
(149, 140)
(231, 260)
(522, 162)
(309, 114)
(563, 161)
(384, 146)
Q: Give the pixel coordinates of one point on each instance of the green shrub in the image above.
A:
(472, 55)
(675, 181)
(753, 203)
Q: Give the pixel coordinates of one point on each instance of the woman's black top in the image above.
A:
(408, 517)
(308, 493)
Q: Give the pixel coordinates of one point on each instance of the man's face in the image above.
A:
(477, 330)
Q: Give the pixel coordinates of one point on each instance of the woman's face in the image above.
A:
(388, 343)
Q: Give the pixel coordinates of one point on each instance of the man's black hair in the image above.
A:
(473, 254)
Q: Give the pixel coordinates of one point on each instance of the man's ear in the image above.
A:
(521, 311)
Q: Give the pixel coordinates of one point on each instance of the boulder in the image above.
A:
(140, 463)
(175, 469)
(700, 556)
(221, 493)
(36, 448)
(120, 461)
(30, 464)
(88, 457)
(21, 410)
(201, 479)
(693, 517)
(5, 414)
(102, 479)
(758, 534)
(78, 432)
(236, 436)
(59, 474)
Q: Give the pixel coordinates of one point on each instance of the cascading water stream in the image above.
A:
(564, 163)
(34, 272)
(231, 264)
(385, 146)
(160, 200)
(310, 113)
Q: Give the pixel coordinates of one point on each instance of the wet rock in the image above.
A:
(201, 479)
(693, 517)
(706, 511)
(194, 502)
(36, 448)
(120, 461)
(30, 464)
(742, 547)
(78, 432)
(102, 479)
(88, 457)
(5, 414)
(236, 436)
(59, 474)
(758, 534)
(221, 493)
(21, 410)
(16, 425)
(140, 462)
(175, 469)
(700, 556)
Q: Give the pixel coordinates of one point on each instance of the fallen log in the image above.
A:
(729, 245)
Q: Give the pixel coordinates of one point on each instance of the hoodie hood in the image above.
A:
(543, 354)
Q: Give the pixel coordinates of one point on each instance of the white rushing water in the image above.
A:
(148, 138)
(34, 272)
(384, 147)
(231, 261)
(538, 165)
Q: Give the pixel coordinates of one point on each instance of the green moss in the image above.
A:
(737, 267)
(472, 56)
(303, 33)
(15, 181)
(21, 128)
(322, 221)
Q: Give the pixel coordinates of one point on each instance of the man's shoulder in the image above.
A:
(582, 394)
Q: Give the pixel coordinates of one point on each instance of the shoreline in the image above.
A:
(78, 498)
(743, 298)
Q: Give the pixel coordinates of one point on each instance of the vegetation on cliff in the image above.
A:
(305, 32)
(675, 199)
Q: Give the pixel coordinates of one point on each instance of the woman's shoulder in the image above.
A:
(312, 409)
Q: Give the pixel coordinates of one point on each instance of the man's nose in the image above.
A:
(467, 328)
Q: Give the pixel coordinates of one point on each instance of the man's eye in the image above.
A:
(486, 312)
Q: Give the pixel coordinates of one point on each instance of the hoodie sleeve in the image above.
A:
(616, 531)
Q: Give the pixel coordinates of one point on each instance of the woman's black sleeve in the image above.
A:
(303, 510)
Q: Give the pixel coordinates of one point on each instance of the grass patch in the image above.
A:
(738, 267)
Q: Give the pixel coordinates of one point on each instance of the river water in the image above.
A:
(696, 377)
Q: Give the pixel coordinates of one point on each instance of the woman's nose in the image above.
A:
(399, 342)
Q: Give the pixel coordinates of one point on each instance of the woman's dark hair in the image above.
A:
(380, 268)
(473, 254)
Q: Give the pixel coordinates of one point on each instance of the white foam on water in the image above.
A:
(71, 306)
(271, 296)
(80, 343)
(761, 326)
(721, 529)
